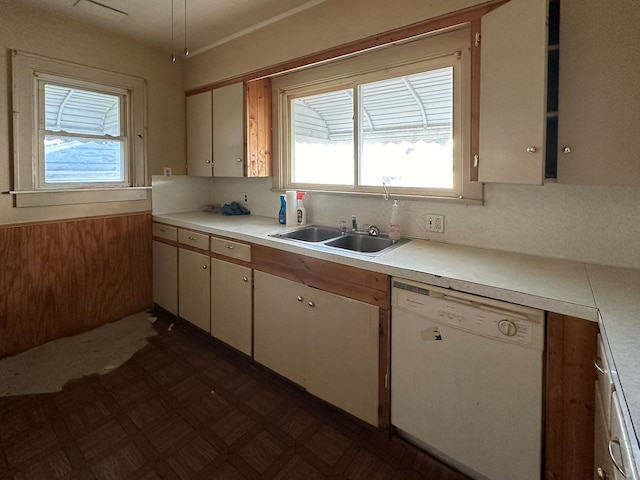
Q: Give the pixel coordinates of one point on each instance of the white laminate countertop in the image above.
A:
(571, 288)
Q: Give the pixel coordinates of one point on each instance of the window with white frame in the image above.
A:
(398, 118)
(79, 133)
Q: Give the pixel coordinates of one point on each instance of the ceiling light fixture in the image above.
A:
(186, 49)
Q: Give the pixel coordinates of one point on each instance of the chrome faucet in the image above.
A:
(354, 224)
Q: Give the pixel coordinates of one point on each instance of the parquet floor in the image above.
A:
(188, 407)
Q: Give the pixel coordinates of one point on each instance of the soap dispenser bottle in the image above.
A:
(394, 223)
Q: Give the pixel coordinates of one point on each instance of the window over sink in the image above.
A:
(395, 118)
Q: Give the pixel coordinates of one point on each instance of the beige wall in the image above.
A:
(42, 34)
(331, 23)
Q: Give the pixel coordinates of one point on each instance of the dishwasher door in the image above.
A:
(467, 380)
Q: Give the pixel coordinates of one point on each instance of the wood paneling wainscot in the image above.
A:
(570, 397)
(66, 277)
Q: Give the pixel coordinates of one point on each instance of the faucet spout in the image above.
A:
(354, 223)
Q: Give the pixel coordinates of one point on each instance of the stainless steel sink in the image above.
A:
(361, 243)
(311, 234)
(328, 238)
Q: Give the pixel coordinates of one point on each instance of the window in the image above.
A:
(398, 117)
(79, 133)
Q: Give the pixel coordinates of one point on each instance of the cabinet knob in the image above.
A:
(567, 150)
(531, 149)
(191, 238)
(300, 298)
(230, 247)
(311, 304)
(602, 475)
(204, 267)
(239, 160)
(208, 161)
(245, 279)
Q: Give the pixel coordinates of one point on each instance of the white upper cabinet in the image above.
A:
(513, 93)
(599, 107)
(199, 135)
(228, 131)
(215, 132)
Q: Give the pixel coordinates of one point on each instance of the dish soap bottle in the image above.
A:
(394, 223)
(302, 212)
(282, 215)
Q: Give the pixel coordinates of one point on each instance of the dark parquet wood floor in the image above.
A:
(188, 407)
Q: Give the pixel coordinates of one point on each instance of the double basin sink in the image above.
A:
(334, 238)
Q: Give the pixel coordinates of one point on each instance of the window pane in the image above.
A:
(74, 110)
(322, 132)
(82, 160)
(406, 126)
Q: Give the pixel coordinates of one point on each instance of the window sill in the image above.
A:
(42, 198)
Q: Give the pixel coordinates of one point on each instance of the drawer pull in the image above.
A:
(300, 298)
(163, 229)
(619, 467)
(598, 367)
(230, 247)
(191, 238)
(602, 475)
(204, 267)
(245, 279)
(311, 304)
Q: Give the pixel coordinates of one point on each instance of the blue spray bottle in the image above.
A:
(282, 215)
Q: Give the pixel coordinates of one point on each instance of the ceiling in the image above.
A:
(208, 22)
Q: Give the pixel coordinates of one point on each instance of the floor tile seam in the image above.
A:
(278, 464)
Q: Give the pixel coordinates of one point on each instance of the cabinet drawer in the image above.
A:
(231, 249)
(604, 381)
(165, 231)
(198, 240)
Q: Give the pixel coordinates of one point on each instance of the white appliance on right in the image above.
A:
(467, 380)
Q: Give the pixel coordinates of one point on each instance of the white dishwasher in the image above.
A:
(467, 380)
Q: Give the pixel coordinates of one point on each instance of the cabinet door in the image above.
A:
(279, 325)
(342, 352)
(231, 304)
(193, 288)
(165, 276)
(199, 135)
(513, 93)
(598, 110)
(228, 131)
(603, 467)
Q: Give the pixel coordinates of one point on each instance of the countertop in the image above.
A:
(609, 295)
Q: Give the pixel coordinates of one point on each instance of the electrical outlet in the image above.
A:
(245, 198)
(167, 172)
(434, 223)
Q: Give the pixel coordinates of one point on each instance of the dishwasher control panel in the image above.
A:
(479, 315)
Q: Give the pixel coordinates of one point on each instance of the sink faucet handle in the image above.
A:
(354, 223)
(343, 227)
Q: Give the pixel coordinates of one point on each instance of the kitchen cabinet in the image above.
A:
(194, 283)
(598, 110)
(221, 142)
(231, 305)
(513, 93)
(215, 132)
(612, 450)
(165, 276)
(324, 342)
(165, 267)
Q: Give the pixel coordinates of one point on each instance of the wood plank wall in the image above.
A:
(570, 397)
(62, 278)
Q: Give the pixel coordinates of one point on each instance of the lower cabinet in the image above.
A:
(324, 342)
(165, 276)
(231, 286)
(194, 288)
